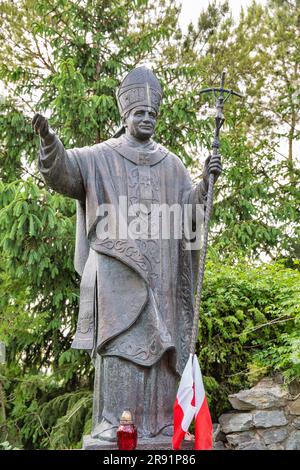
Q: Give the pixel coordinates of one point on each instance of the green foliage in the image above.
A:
(7, 446)
(40, 415)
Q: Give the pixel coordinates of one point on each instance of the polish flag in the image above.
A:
(191, 403)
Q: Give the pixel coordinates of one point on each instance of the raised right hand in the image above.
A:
(40, 126)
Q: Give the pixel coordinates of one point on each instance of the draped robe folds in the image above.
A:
(136, 296)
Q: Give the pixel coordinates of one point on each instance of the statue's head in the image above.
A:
(139, 98)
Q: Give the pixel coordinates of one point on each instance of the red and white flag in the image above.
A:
(191, 403)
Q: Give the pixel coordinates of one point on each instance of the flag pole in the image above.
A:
(221, 95)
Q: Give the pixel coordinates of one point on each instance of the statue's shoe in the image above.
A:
(167, 431)
(105, 431)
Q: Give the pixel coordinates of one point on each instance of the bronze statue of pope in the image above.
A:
(136, 293)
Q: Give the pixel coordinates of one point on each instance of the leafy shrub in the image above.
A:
(249, 327)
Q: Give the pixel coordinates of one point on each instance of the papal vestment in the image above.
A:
(136, 295)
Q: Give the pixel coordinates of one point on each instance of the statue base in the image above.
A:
(152, 443)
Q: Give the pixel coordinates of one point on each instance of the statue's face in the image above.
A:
(141, 122)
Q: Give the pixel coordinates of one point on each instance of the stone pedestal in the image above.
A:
(155, 443)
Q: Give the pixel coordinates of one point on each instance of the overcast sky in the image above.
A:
(191, 9)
